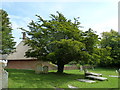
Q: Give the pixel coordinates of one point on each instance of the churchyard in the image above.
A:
(29, 79)
(61, 41)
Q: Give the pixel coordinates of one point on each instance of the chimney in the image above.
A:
(24, 35)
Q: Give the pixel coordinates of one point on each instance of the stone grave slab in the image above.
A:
(70, 86)
(113, 76)
(94, 74)
(97, 78)
(86, 80)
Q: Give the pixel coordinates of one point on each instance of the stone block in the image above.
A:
(45, 69)
(3, 75)
(39, 68)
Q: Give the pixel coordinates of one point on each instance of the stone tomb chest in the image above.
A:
(3, 74)
(41, 69)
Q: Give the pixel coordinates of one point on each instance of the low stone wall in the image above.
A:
(21, 64)
(30, 65)
(70, 67)
(81, 67)
(88, 67)
(27, 64)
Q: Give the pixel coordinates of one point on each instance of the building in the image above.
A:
(17, 60)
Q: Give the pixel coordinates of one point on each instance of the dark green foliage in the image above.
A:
(65, 49)
(111, 40)
(6, 40)
(90, 40)
(104, 56)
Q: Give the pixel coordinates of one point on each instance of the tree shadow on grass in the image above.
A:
(28, 79)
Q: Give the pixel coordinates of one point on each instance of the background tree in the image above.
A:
(91, 41)
(58, 40)
(104, 56)
(6, 41)
(112, 40)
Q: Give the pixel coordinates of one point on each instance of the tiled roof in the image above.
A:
(20, 52)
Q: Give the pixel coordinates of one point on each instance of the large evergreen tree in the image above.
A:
(58, 40)
(6, 40)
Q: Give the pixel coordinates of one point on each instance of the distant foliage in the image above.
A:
(111, 42)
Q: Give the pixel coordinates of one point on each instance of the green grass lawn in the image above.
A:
(28, 79)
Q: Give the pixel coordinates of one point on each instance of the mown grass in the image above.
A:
(28, 79)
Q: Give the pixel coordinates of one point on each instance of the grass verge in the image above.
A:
(28, 79)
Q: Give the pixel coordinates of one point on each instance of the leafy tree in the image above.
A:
(91, 41)
(58, 40)
(65, 51)
(103, 56)
(112, 39)
(6, 41)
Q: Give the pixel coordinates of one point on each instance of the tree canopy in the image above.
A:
(6, 40)
(59, 40)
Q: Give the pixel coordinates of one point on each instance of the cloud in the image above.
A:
(103, 26)
(18, 22)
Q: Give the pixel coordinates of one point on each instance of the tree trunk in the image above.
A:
(60, 68)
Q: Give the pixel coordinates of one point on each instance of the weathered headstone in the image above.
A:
(3, 75)
(119, 71)
(81, 68)
(45, 69)
(39, 68)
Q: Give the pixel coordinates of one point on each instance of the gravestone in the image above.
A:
(86, 80)
(70, 86)
(39, 68)
(45, 69)
(91, 73)
(81, 68)
(3, 75)
(96, 77)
